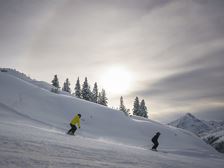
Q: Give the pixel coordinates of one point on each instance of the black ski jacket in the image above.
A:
(155, 138)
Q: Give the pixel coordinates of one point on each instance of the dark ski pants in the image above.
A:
(156, 144)
(72, 130)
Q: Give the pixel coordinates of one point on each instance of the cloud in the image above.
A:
(183, 63)
(190, 85)
(196, 89)
(175, 48)
(211, 113)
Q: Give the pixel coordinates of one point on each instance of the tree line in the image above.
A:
(139, 108)
(84, 92)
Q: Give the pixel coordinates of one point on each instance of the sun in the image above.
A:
(117, 80)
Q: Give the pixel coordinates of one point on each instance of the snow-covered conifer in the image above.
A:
(78, 89)
(95, 93)
(102, 98)
(122, 106)
(143, 109)
(66, 86)
(55, 83)
(86, 92)
(136, 107)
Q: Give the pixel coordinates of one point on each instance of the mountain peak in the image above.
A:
(189, 115)
(191, 123)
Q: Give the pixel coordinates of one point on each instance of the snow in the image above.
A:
(219, 134)
(21, 76)
(192, 124)
(33, 122)
(212, 132)
(197, 126)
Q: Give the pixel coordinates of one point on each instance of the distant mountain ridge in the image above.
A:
(192, 124)
(212, 132)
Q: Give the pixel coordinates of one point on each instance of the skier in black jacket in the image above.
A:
(155, 141)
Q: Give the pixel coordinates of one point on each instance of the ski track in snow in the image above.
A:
(23, 145)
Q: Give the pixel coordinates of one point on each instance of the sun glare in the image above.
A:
(117, 80)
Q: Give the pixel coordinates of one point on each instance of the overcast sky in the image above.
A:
(174, 50)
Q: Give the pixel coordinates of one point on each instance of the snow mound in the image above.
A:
(21, 76)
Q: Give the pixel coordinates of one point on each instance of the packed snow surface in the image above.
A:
(33, 122)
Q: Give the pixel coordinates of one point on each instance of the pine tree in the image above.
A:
(95, 93)
(122, 106)
(143, 109)
(86, 92)
(136, 107)
(102, 98)
(99, 99)
(55, 83)
(78, 89)
(66, 86)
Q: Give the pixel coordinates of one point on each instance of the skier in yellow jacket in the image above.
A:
(74, 121)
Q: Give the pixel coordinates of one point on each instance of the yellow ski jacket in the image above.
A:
(76, 120)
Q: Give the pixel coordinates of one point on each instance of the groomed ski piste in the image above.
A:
(34, 121)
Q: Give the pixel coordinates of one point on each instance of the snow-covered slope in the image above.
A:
(212, 132)
(33, 122)
(97, 121)
(24, 77)
(216, 139)
(216, 125)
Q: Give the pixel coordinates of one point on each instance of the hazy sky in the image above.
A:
(169, 52)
